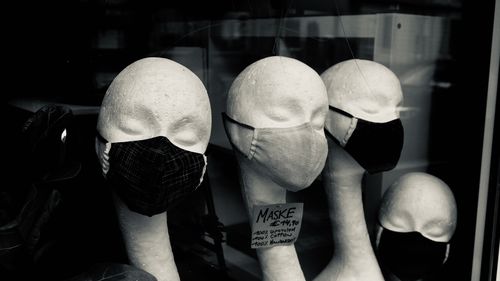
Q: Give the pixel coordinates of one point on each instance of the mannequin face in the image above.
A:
(155, 115)
(278, 92)
(419, 211)
(365, 89)
(363, 115)
(284, 103)
(156, 97)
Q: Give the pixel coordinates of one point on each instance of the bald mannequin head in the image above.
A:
(365, 89)
(284, 102)
(155, 120)
(276, 109)
(156, 97)
(420, 202)
(417, 219)
(364, 119)
(277, 92)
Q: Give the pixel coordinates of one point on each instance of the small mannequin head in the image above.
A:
(417, 219)
(155, 110)
(363, 118)
(276, 111)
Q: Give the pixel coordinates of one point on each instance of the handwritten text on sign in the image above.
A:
(277, 224)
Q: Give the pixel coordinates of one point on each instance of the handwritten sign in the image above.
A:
(275, 225)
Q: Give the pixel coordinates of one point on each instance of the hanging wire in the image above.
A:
(349, 46)
(276, 46)
(343, 29)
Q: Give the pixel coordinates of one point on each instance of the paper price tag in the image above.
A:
(275, 225)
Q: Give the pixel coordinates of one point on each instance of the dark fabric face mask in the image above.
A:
(153, 175)
(375, 146)
(410, 256)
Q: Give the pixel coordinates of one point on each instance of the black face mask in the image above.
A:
(375, 146)
(410, 256)
(153, 175)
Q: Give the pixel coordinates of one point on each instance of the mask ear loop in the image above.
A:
(447, 254)
(378, 235)
(380, 229)
(205, 160)
(102, 148)
(226, 117)
(241, 136)
(350, 130)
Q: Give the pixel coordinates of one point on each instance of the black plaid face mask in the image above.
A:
(153, 175)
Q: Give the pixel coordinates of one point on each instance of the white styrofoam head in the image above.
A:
(278, 92)
(420, 202)
(366, 89)
(157, 97)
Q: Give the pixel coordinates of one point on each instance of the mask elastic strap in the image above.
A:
(240, 135)
(340, 111)
(100, 137)
(103, 154)
(352, 126)
(205, 160)
(227, 118)
(350, 131)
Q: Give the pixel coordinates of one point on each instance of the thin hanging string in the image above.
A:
(349, 47)
(276, 46)
(343, 29)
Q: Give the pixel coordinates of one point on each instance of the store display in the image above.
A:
(283, 140)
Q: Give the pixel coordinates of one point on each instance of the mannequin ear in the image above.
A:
(447, 253)
(102, 151)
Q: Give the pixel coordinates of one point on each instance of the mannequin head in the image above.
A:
(285, 102)
(365, 89)
(154, 110)
(363, 118)
(276, 109)
(156, 97)
(277, 92)
(420, 209)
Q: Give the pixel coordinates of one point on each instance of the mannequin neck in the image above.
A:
(257, 187)
(278, 262)
(343, 186)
